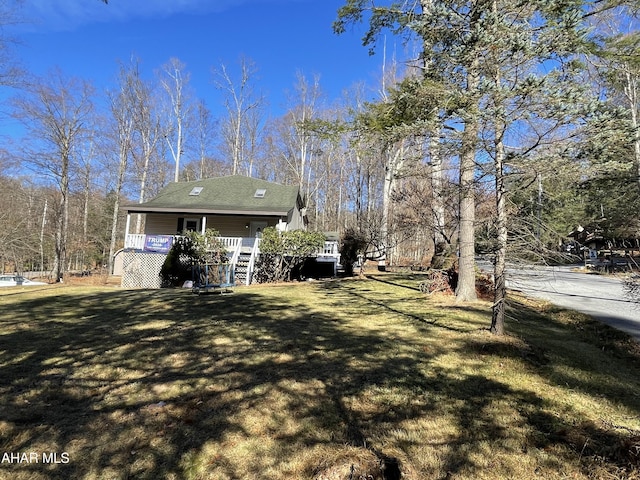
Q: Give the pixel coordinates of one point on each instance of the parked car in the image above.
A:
(17, 280)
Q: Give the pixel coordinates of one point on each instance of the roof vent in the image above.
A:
(195, 191)
(260, 193)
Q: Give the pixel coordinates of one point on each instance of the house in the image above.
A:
(238, 207)
(604, 252)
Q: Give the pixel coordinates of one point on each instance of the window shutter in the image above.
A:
(180, 225)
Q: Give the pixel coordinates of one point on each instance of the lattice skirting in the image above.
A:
(141, 269)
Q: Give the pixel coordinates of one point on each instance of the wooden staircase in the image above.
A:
(242, 267)
(244, 259)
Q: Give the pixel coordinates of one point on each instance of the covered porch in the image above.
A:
(241, 251)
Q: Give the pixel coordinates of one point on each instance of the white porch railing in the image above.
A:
(330, 249)
(134, 241)
(234, 246)
(137, 241)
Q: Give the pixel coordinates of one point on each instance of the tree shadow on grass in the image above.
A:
(266, 385)
(606, 366)
(605, 362)
(410, 282)
(393, 305)
(574, 358)
(139, 384)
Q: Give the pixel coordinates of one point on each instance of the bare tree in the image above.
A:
(205, 127)
(17, 240)
(87, 153)
(147, 130)
(175, 80)
(245, 115)
(302, 141)
(56, 113)
(11, 72)
(122, 109)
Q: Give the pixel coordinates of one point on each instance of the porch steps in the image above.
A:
(242, 266)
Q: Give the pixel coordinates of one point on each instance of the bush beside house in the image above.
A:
(283, 254)
(189, 249)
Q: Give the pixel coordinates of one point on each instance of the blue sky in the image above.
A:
(86, 38)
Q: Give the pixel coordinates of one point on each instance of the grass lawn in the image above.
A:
(323, 380)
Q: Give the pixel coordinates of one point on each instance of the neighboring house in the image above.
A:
(238, 207)
(598, 251)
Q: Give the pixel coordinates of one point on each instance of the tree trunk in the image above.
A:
(631, 92)
(143, 180)
(43, 225)
(175, 86)
(466, 289)
(384, 222)
(63, 216)
(237, 140)
(440, 243)
(393, 166)
(500, 289)
(124, 153)
(86, 194)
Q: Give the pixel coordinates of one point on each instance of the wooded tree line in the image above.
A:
(505, 125)
(516, 96)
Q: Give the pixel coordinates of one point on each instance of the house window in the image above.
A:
(188, 224)
(260, 192)
(191, 224)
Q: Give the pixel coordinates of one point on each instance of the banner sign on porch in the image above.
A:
(158, 243)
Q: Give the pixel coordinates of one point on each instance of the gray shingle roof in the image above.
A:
(231, 195)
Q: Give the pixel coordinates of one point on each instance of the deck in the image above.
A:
(242, 252)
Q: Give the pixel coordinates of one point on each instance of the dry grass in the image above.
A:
(335, 380)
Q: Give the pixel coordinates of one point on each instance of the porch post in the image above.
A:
(126, 229)
(204, 224)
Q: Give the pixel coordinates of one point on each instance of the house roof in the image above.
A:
(234, 194)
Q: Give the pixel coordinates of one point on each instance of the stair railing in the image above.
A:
(233, 245)
(255, 251)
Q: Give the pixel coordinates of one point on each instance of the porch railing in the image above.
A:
(330, 249)
(231, 243)
(134, 240)
(234, 246)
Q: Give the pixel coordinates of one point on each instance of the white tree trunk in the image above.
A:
(500, 289)
(631, 92)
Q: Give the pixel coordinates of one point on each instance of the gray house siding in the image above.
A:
(228, 226)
